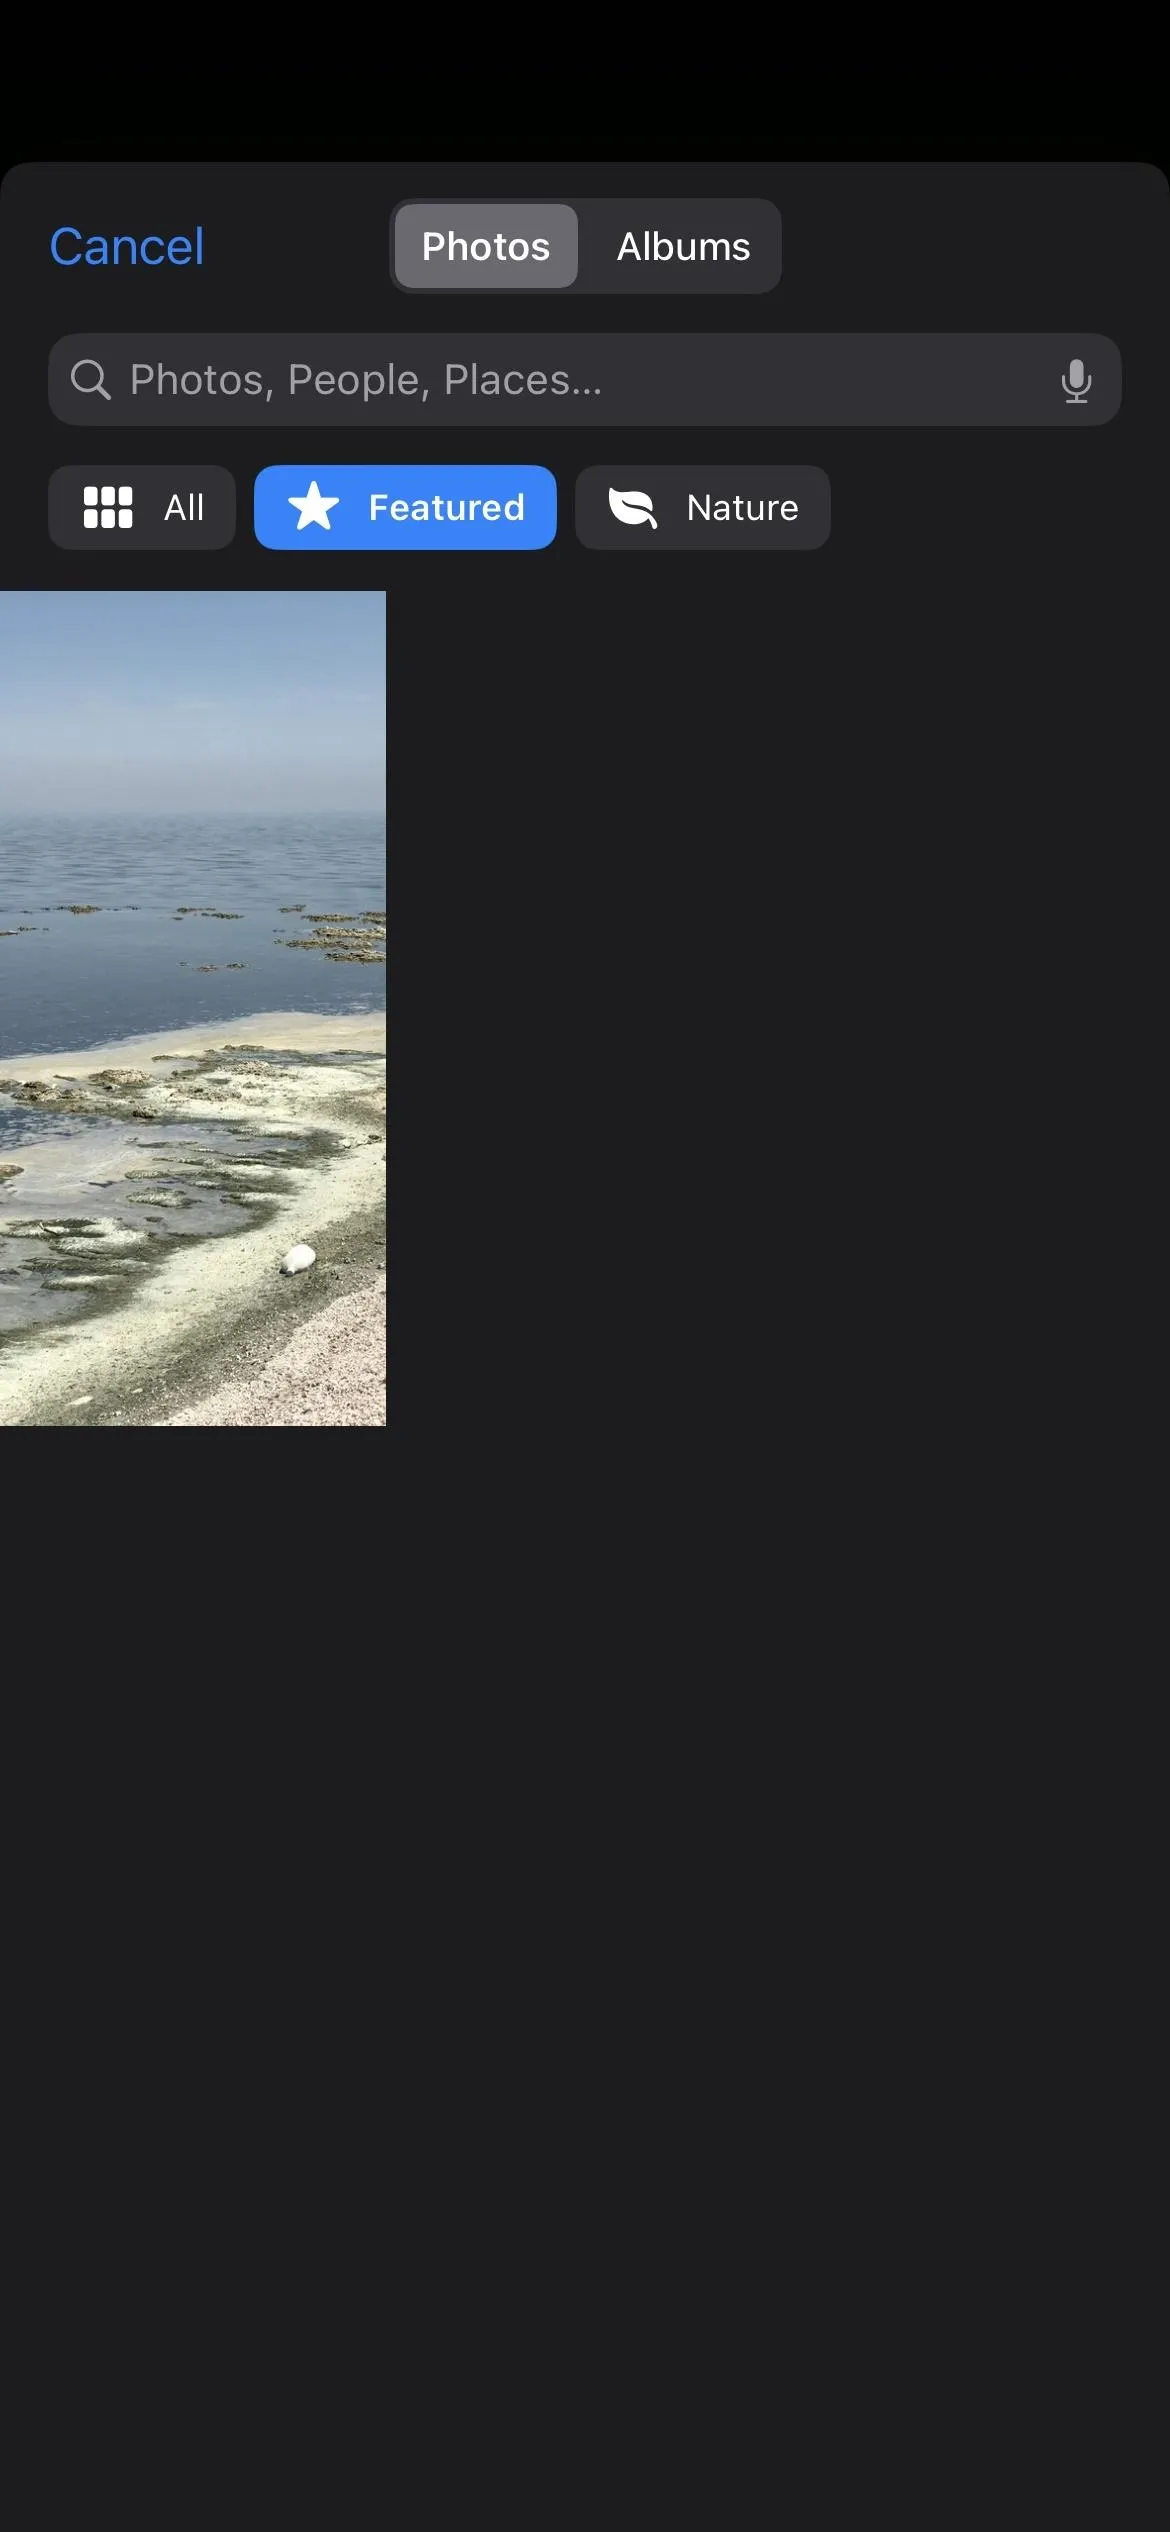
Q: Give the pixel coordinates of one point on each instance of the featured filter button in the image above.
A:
(413, 509)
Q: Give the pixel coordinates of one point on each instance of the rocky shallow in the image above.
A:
(358, 940)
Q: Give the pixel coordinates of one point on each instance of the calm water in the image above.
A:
(98, 1203)
(69, 980)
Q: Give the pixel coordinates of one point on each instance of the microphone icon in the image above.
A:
(1076, 386)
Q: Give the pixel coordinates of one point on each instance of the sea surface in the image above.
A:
(73, 980)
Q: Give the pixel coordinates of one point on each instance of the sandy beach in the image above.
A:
(201, 1329)
(331, 1371)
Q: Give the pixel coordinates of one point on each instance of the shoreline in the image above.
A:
(298, 1032)
(215, 1320)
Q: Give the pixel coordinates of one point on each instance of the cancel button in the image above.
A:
(715, 509)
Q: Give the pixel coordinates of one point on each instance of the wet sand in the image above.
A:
(215, 1333)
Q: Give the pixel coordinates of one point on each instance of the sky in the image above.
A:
(164, 700)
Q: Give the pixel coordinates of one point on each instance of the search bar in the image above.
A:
(1060, 381)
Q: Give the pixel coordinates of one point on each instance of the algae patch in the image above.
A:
(355, 940)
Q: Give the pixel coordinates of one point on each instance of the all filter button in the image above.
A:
(142, 509)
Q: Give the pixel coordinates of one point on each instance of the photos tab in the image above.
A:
(484, 245)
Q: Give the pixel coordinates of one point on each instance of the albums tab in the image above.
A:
(691, 244)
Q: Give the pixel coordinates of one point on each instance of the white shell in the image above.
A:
(297, 1258)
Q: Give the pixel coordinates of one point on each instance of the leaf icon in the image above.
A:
(632, 508)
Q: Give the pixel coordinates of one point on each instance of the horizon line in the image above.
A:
(209, 809)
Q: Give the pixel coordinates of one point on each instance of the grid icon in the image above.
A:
(107, 505)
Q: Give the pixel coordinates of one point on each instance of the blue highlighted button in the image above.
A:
(375, 509)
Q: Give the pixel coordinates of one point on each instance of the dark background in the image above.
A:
(755, 920)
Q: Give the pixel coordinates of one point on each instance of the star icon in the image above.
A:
(314, 506)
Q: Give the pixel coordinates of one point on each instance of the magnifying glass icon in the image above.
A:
(90, 386)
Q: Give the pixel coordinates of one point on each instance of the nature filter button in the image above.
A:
(374, 509)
